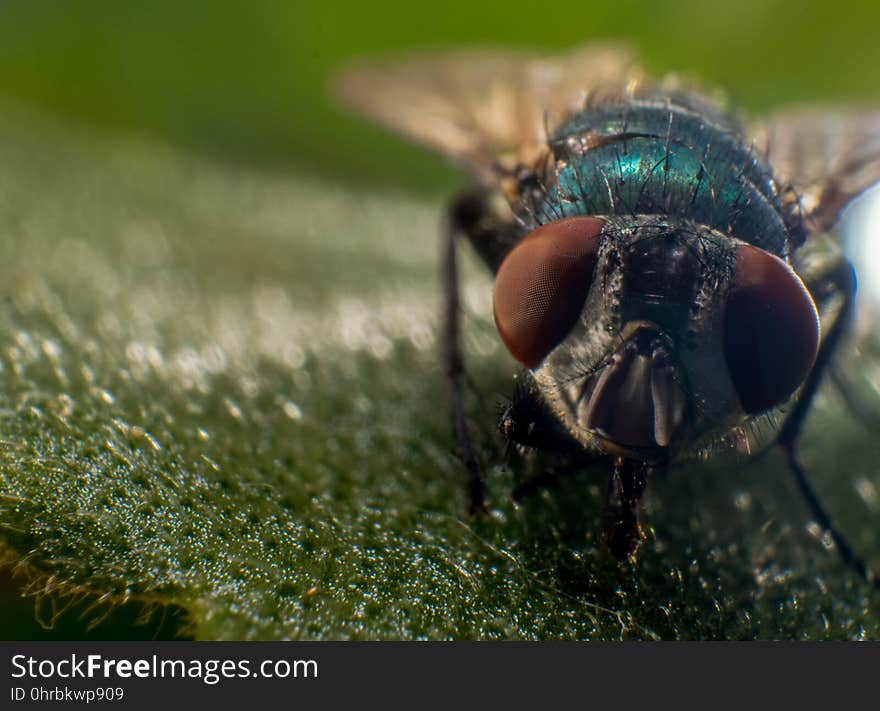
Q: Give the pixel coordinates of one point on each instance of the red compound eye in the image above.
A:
(771, 330)
(541, 286)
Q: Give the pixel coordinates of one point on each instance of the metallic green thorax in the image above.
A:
(660, 156)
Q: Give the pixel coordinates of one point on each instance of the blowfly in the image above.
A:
(651, 253)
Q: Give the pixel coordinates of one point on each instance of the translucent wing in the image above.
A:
(828, 157)
(486, 108)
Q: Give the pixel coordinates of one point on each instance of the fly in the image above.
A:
(651, 257)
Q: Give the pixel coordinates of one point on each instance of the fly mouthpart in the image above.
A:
(635, 400)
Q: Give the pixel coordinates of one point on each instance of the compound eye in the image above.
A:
(542, 285)
(771, 330)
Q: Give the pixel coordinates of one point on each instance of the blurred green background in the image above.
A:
(243, 88)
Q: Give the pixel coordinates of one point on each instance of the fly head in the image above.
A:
(648, 335)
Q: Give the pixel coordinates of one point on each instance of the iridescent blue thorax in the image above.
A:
(661, 156)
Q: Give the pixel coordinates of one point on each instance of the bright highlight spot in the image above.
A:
(861, 242)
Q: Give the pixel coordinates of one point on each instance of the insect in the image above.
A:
(653, 256)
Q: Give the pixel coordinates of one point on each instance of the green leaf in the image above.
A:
(220, 392)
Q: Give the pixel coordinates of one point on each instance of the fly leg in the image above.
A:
(470, 215)
(620, 518)
(840, 280)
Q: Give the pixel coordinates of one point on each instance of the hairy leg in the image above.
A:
(620, 518)
(470, 215)
(841, 280)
